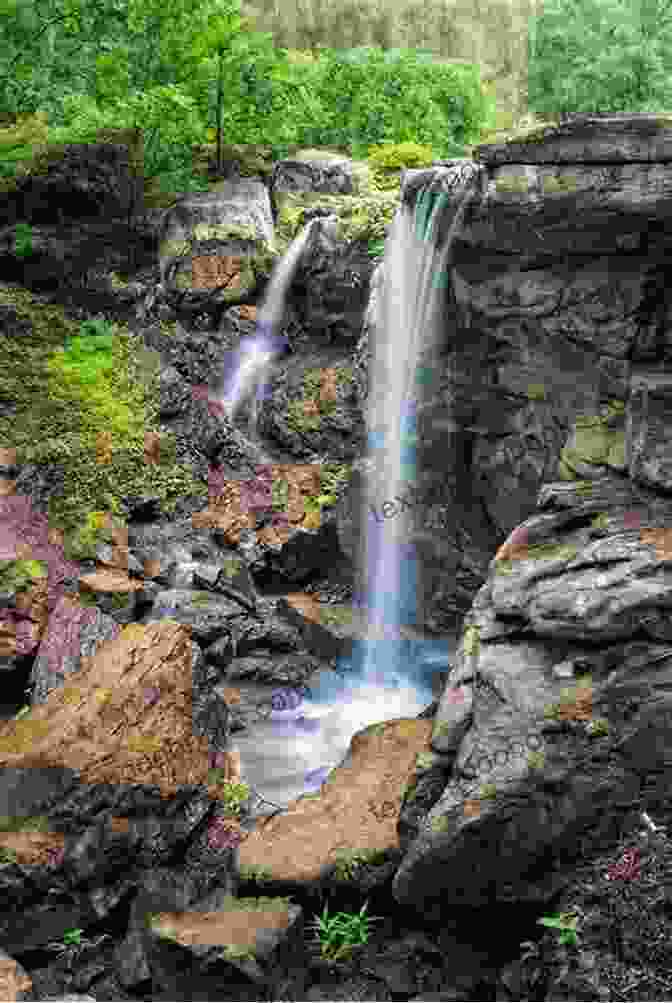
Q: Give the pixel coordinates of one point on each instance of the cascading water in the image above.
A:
(389, 674)
(258, 352)
(409, 326)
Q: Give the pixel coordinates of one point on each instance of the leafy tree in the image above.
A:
(601, 56)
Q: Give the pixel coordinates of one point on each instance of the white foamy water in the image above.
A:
(407, 325)
(258, 352)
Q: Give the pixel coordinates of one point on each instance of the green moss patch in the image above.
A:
(85, 397)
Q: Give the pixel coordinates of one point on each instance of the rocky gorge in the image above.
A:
(147, 635)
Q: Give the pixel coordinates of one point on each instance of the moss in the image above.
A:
(59, 420)
(254, 872)
(119, 600)
(512, 183)
(598, 727)
(487, 791)
(336, 615)
(503, 567)
(555, 184)
(97, 529)
(601, 521)
(535, 760)
(18, 576)
(440, 823)
(536, 392)
(441, 729)
(471, 642)
(360, 217)
(252, 903)
(202, 598)
(375, 729)
(24, 823)
(551, 552)
(332, 475)
(231, 566)
(349, 860)
(424, 760)
(234, 952)
(408, 790)
(7, 856)
(304, 420)
(596, 441)
(389, 159)
(298, 420)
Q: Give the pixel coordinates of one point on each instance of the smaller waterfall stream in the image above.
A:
(258, 352)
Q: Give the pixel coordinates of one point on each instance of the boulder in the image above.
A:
(213, 245)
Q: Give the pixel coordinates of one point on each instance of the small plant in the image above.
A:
(232, 795)
(376, 248)
(72, 942)
(7, 856)
(338, 935)
(23, 246)
(566, 923)
(488, 791)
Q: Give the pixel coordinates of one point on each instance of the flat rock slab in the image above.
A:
(357, 807)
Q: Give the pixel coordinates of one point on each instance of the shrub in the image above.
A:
(388, 159)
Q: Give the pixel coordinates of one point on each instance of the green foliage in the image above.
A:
(370, 96)
(387, 160)
(18, 575)
(232, 795)
(338, 935)
(82, 544)
(600, 56)
(566, 923)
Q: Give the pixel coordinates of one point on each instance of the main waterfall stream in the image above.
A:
(389, 673)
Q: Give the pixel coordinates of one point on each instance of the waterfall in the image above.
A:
(389, 673)
(408, 325)
(258, 352)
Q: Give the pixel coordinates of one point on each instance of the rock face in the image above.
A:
(555, 317)
(562, 375)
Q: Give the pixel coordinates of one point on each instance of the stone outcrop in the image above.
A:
(555, 317)
(562, 384)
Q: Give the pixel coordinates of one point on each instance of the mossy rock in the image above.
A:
(60, 418)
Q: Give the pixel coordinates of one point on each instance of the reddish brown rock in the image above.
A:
(357, 807)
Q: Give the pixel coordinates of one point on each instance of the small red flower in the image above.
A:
(627, 868)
